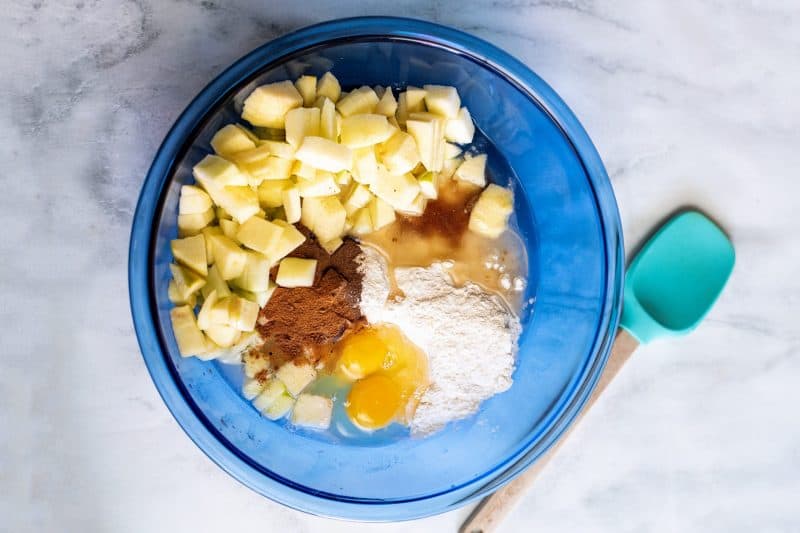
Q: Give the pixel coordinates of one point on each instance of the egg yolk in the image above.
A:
(390, 374)
(373, 401)
(362, 354)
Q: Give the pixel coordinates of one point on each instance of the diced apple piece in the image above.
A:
(358, 197)
(332, 246)
(260, 297)
(186, 281)
(416, 207)
(220, 312)
(401, 115)
(301, 123)
(291, 204)
(380, 213)
(490, 214)
(397, 190)
(229, 228)
(430, 141)
(207, 232)
(243, 313)
(460, 129)
(251, 388)
(255, 275)
(190, 339)
(304, 170)
(429, 185)
(329, 87)
(271, 168)
(240, 202)
(473, 170)
(362, 222)
(451, 151)
(365, 165)
(268, 104)
(442, 100)
(328, 122)
(254, 363)
(343, 178)
(325, 154)
(213, 168)
(308, 211)
(399, 154)
(193, 200)
(323, 184)
(329, 218)
(229, 258)
(290, 239)
(178, 298)
(296, 272)
(361, 100)
(270, 193)
(449, 168)
(242, 159)
(415, 99)
(222, 335)
(230, 140)
(214, 282)
(279, 149)
(312, 411)
(296, 377)
(359, 131)
(273, 390)
(193, 224)
(191, 253)
(307, 87)
(259, 234)
(387, 105)
(280, 407)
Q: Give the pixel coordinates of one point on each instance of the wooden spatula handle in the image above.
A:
(493, 509)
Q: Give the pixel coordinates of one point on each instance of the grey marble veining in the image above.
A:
(689, 103)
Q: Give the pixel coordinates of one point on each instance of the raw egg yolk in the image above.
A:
(362, 354)
(373, 401)
(390, 374)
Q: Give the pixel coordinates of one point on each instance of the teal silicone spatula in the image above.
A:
(670, 286)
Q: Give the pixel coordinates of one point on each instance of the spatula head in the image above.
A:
(676, 277)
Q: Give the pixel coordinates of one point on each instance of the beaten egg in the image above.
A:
(389, 375)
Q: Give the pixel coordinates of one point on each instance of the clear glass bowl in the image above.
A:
(565, 212)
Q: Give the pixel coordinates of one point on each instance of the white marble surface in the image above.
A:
(691, 102)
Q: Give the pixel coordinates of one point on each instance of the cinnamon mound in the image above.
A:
(301, 324)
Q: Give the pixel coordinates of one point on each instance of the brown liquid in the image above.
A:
(441, 234)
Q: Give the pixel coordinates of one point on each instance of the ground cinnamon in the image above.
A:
(301, 324)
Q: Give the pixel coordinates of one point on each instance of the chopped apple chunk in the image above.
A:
(191, 253)
(312, 411)
(473, 170)
(490, 214)
(328, 86)
(193, 200)
(296, 272)
(268, 104)
(259, 234)
(232, 139)
(190, 339)
(325, 154)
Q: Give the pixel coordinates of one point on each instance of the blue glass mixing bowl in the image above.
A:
(565, 213)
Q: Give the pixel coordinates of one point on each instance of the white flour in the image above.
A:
(469, 336)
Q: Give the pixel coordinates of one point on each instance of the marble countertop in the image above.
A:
(689, 103)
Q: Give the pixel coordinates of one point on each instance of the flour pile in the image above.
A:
(469, 336)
